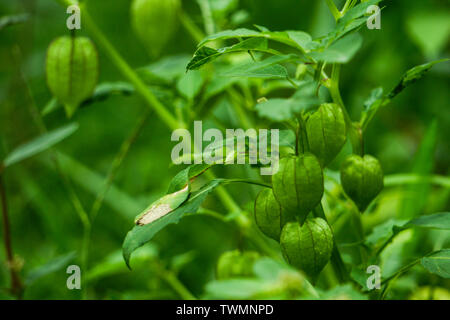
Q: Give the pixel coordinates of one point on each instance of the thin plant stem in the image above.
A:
(336, 259)
(356, 140)
(190, 26)
(79, 209)
(334, 10)
(16, 284)
(126, 70)
(254, 182)
(208, 21)
(117, 162)
(172, 280)
(386, 282)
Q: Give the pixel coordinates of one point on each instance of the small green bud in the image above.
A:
(154, 22)
(308, 246)
(298, 184)
(362, 179)
(270, 217)
(72, 70)
(236, 264)
(326, 132)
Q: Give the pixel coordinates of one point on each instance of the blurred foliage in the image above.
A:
(411, 135)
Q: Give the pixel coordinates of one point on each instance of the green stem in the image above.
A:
(117, 162)
(386, 282)
(208, 21)
(16, 284)
(357, 222)
(190, 26)
(37, 118)
(402, 179)
(336, 258)
(257, 183)
(177, 285)
(240, 112)
(333, 9)
(127, 71)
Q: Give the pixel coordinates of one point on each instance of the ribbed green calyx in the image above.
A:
(362, 179)
(298, 184)
(270, 216)
(235, 264)
(154, 22)
(326, 132)
(72, 70)
(308, 246)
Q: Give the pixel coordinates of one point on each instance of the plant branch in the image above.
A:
(126, 70)
(117, 162)
(334, 10)
(336, 259)
(16, 285)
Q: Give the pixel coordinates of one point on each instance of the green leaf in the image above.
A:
(190, 84)
(13, 19)
(356, 12)
(230, 34)
(359, 276)
(181, 179)
(375, 97)
(39, 144)
(412, 75)
(438, 263)
(287, 138)
(342, 51)
(296, 39)
(140, 235)
(179, 190)
(206, 54)
(434, 221)
(52, 266)
(113, 263)
(267, 68)
(107, 89)
(383, 234)
(280, 109)
(102, 92)
(165, 70)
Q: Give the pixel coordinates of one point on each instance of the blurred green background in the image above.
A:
(410, 135)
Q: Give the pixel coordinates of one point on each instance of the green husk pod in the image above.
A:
(326, 131)
(72, 70)
(362, 179)
(270, 216)
(236, 264)
(154, 22)
(309, 246)
(298, 184)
